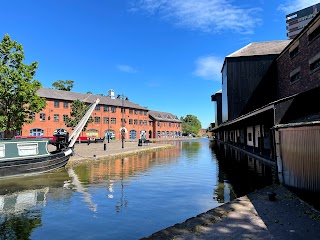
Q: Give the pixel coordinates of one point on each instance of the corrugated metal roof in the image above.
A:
(261, 48)
(164, 116)
(89, 98)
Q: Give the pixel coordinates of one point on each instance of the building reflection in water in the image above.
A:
(238, 174)
(121, 170)
(22, 200)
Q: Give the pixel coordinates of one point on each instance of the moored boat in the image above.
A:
(31, 156)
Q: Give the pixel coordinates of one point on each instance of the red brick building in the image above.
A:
(108, 117)
(164, 125)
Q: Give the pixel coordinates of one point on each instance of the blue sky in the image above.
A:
(162, 54)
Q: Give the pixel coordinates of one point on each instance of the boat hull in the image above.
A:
(35, 165)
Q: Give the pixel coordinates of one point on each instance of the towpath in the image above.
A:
(251, 217)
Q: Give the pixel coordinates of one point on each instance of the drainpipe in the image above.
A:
(254, 137)
(261, 139)
(279, 164)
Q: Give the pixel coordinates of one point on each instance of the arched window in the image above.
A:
(92, 133)
(110, 132)
(36, 132)
(133, 134)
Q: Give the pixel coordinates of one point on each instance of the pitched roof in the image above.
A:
(164, 116)
(89, 98)
(261, 48)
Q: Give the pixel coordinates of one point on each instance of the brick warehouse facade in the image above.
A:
(299, 64)
(107, 117)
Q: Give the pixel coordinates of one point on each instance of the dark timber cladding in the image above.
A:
(245, 71)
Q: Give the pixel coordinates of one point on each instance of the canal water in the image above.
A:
(128, 198)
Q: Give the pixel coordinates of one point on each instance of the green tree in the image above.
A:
(66, 85)
(78, 109)
(18, 90)
(190, 125)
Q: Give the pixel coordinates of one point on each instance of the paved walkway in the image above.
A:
(251, 217)
(85, 152)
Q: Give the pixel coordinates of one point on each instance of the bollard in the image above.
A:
(104, 147)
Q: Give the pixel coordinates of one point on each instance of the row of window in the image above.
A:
(122, 110)
(311, 36)
(56, 104)
(105, 108)
(314, 65)
(163, 124)
(167, 133)
(56, 117)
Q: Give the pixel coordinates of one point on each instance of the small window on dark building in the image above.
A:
(97, 108)
(295, 77)
(249, 137)
(294, 52)
(106, 108)
(315, 65)
(314, 34)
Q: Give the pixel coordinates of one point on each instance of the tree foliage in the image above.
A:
(18, 90)
(190, 125)
(66, 85)
(78, 110)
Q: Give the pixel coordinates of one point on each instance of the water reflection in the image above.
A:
(76, 185)
(22, 200)
(127, 198)
(124, 168)
(245, 174)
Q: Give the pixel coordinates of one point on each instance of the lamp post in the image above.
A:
(109, 124)
(122, 97)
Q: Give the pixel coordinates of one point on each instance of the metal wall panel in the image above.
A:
(300, 153)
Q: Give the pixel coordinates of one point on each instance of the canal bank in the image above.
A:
(111, 150)
(253, 216)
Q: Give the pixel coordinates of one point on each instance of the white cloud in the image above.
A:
(203, 15)
(291, 6)
(126, 68)
(208, 68)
